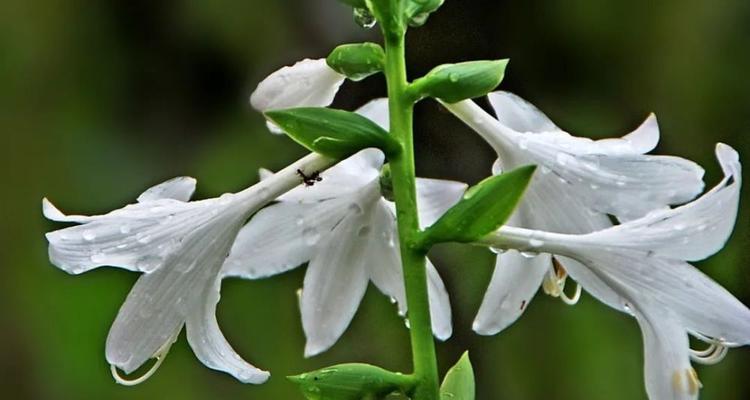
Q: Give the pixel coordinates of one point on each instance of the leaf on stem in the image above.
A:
(455, 82)
(484, 208)
(333, 133)
(459, 381)
(351, 382)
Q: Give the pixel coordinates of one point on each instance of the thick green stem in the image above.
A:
(405, 194)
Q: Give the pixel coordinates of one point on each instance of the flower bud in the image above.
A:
(357, 61)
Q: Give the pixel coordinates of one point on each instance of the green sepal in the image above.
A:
(333, 133)
(483, 209)
(417, 11)
(351, 382)
(357, 61)
(459, 381)
(455, 82)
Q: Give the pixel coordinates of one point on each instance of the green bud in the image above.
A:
(459, 381)
(357, 61)
(386, 183)
(417, 11)
(455, 82)
(333, 133)
(351, 382)
(484, 208)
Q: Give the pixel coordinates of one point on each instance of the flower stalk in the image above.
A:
(401, 109)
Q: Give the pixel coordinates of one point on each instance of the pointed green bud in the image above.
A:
(351, 382)
(459, 381)
(484, 208)
(333, 133)
(455, 82)
(417, 11)
(357, 61)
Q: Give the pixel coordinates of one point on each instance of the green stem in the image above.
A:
(405, 195)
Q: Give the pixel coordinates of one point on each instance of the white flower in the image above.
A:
(579, 182)
(179, 246)
(640, 267)
(308, 83)
(347, 232)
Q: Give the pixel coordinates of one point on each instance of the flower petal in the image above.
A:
(690, 232)
(701, 304)
(435, 197)
(377, 111)
(159, 302)
(308, 83)
(180, 188)
(335, 282)
(518, 114)
(345, 178)
(138, 237)
(209, 344)
(514, 283)
(440, 306)
(282, 237)
(667, 367)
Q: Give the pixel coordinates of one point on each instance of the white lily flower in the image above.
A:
(308, 83)
(347, 232)
(640, 267)
(179, 246)
(580, 182)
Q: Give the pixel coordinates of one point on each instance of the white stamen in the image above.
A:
(160, 355)
(715, 352)
(571, 301)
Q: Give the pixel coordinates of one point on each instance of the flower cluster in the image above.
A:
(620, 222)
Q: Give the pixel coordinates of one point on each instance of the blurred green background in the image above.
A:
(101, 99)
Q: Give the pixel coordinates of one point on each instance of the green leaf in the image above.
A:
(351, 382)
(455, 82)
(483, 209)
(417, 11)
(459, 381)
(333, 133)
(357, 61)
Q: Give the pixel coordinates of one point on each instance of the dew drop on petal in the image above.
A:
(364, 231)
(88, 235)
(125, 229)
(310, 236)
(98, 258)
(497, 250)
(536, 243)
(529, 254)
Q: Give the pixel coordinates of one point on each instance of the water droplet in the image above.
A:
(355, 209)
(497, 250)
(419, 20)
(88, 235)
(300, 221)
(393, 300)
(564, 159)
(621, 183)
(529, 254)
(523, 144)
(125, 229)
(679, 227)
(407, 323)
(594, 186)
(536, 243)
(545, 169)
(225, 198)
(364, 231)
(453, 77)
(311, 236)
(98, 258)
(364, 18)
(143, 238)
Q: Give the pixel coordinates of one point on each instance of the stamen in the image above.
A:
(571, 301)
(694, 384)
(712, 355)
(160, 355)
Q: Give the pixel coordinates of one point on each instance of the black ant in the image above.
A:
(310, 180)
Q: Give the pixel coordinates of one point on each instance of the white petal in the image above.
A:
(159, 303)
(640, 141)
(518, 114)
(667, 362)
(349, 176)
(514, 283)
(209, 344)
(384, 266)
(308, 83)
(435, 197)
(52, 213)
(440, 306)
(702, 305)
(690, 232)
(180, 188)
(264, 173)
(593, 284)
(377, 111)
(385, 258)
(138, 237)
(281, 237)
(335, 282)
